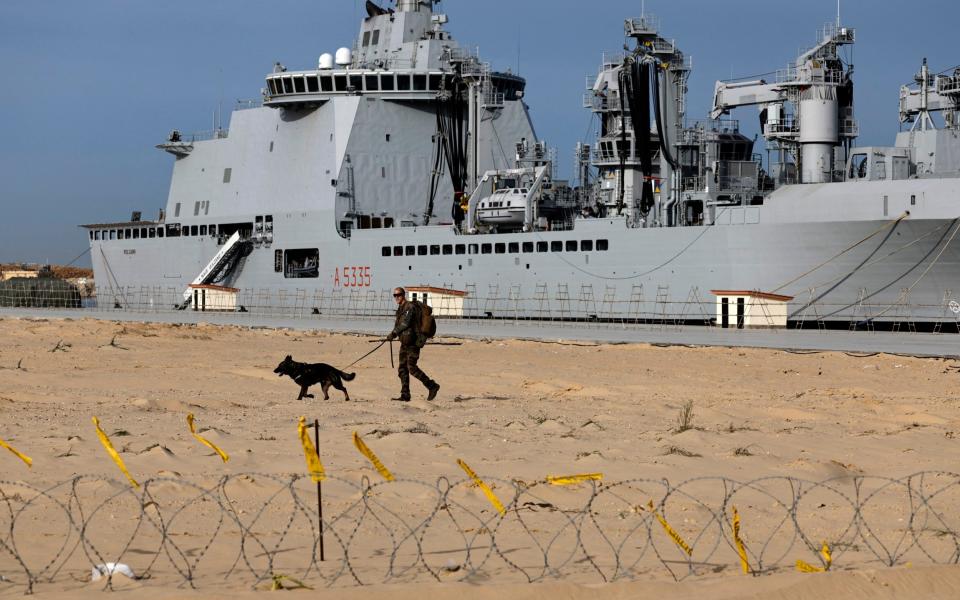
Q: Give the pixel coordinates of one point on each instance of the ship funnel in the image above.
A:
(326, 61)
(344, 57)
(414, 5)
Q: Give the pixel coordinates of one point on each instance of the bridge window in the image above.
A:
(340, 83)
(419, 83)
(366, 39)
(603, 245)
(298, 85)
(435, 250)
(373, 83)
(571, 245)
(586, 246)
(193, 230)
(312, 86)
(153, 233)
(398, 250)
(287, 86)
(403, 83)
(411, 250)
(486, 248)
(376, 38)
(203, 230)
(356, 82)
(136, 234)
(514, 248)
(301, 264)
(556, 246)
(326, 83)
(385, 251)
(421, 250)
(500, 248)
(386, 83)
(541, 246)
(460, 249)
(473, 249)
(447, 249)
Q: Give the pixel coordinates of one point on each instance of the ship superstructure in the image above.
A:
(407, 160)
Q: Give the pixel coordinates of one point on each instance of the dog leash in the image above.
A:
(371, 352)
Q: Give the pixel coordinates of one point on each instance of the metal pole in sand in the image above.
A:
(316, 437)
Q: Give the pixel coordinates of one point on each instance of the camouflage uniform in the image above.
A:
(407, 330)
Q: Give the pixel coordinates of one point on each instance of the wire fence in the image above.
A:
(262, 530)
(612, 306)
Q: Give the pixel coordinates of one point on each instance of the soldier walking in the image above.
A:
(407, 329)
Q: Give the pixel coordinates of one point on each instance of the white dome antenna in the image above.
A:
(326, 61)
(344, 57)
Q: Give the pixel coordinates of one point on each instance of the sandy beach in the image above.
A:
(516, 411)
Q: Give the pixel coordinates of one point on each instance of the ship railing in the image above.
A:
(611, 60)
(644, 25)
(248, 103)
(948, 85)
(595, 101)
(850, 128)
(724, 125)
(624, 303)
(203, 136)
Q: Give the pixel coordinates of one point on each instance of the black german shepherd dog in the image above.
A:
(307, 374)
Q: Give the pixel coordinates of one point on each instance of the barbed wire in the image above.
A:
(260, 529)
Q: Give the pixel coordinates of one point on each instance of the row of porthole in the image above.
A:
(497, 248)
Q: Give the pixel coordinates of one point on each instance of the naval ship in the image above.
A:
(406, 160)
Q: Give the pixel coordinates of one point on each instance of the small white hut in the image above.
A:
(444, 302)
(751, 309)
(207, 298)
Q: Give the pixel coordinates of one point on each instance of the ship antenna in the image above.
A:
(838, 14)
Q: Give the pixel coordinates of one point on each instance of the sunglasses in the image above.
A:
(398, 295)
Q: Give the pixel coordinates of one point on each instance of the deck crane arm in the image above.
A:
(731, 95)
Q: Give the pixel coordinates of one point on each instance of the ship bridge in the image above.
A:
(317, 87)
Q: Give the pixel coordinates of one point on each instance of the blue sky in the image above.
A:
(91, 86)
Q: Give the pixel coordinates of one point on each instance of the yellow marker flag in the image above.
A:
(204, 441)
(486, 489)
(22, 457)
(741, 551)
(314, 466)
(805, 567)
(113, 453)
(573, 479)
(364, 450)
(671, 532)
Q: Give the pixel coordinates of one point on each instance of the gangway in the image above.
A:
(214, 267)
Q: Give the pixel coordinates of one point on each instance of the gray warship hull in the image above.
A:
(353, 179)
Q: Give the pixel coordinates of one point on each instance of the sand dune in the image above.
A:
(513, 410)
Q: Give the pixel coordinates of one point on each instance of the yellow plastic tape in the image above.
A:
(671, 532)
(314, 466)
(486, 489)
(741, 551)
(113, 453)
(364, 450)
(573, 479)
(278, 580)
(22, 457)
(204, 441)
(805, 567)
